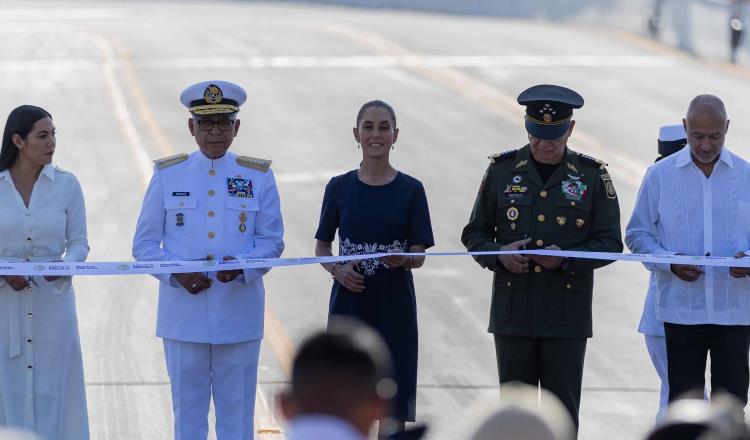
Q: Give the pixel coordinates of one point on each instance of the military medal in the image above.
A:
(579, 223)
(243, 220)
(180, 219)
(561, 220)
(512, 213)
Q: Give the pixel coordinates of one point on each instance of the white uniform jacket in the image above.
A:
(200, 208)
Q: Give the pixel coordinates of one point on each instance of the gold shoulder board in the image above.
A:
(171, 160)
(254, 163)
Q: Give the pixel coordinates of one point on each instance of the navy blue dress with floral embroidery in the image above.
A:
(374, 219)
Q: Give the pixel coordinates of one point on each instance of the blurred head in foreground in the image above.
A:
(342, 372)
(721, 418)
(522, 415)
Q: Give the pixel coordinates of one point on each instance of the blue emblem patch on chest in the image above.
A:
(239, 187)
(574, 189)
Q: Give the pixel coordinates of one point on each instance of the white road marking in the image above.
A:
(303, 62)
(60, 14)
(321, 176)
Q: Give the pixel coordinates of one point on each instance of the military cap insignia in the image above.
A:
(498, 157)
(254, 163)
(522, 163)
(171, 160)
(213, 94)
(609, 186)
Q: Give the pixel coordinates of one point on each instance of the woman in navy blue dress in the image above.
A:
(377, 209)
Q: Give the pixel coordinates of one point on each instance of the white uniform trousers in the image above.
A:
(226, 372)
(657, 350)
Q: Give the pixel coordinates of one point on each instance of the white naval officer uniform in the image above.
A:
(197, 208)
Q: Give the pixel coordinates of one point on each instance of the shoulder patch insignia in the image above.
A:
(254, 163)
(609, 186)
(171, 160)
(499, 157)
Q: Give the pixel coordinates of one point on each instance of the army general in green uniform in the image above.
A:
(544, 196)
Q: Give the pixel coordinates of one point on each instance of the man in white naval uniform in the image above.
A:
(211, 204)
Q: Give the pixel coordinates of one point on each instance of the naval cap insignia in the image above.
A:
(213, 94)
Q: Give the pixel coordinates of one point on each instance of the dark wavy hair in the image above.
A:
(377, 103)
(20, 121)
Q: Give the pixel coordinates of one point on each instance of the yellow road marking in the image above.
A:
(147, 116)
(119, 105)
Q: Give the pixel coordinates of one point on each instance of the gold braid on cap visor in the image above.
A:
(540, 122)
(213, 109)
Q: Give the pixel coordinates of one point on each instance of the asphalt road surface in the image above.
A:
(111, 74)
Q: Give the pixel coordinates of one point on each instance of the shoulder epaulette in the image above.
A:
(499, 157)
(254, 163)
(171, 160)
(598, 163)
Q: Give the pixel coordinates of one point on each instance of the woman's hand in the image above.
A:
(397, 260)
(348, 275)
(16, 282)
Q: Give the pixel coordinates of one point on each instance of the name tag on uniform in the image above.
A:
(239, 187)
(180, 193)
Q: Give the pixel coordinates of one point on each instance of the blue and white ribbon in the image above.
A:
(156, 267)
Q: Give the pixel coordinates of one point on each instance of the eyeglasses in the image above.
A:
(208, 124)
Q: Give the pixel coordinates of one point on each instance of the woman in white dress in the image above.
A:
(42, 218)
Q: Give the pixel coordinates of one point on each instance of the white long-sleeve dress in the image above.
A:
(41, 370)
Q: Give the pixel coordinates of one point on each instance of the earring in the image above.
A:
(393, 147)
(359, 146)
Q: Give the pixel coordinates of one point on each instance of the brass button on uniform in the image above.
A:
(540, 243)
(211, 192)
(538, 269)
(568, 286)
(572, 203)
(211, 172)
(508, 283)
(543, 194)
(541, 217)
(244, 205)
(512, 202)
(29, 315)
(211, 213)
(211, 234)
